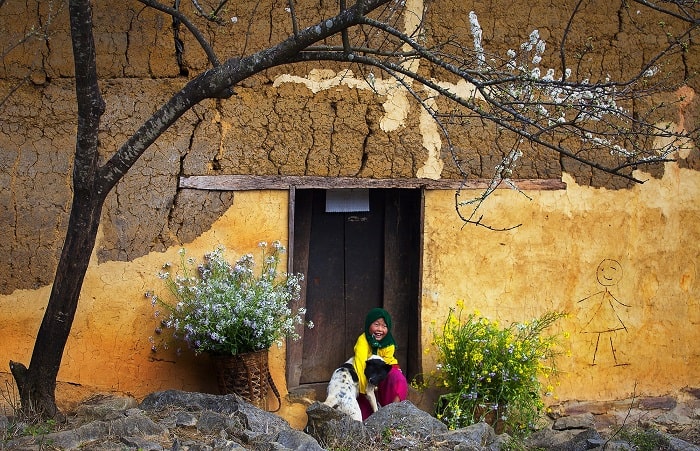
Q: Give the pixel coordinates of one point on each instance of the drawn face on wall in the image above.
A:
(609, 272)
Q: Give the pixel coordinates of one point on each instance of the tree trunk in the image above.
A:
(37, 383)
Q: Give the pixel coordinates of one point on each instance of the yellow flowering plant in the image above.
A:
(494, 373)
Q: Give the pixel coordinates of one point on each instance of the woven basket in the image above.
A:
(246, 375)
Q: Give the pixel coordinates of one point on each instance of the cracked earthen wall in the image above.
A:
(320, 120)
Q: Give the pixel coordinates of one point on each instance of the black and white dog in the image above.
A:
(343, 386)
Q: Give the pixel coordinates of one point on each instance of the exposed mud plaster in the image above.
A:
(431, 132)
(396, 105)
(431, 141)
(225, 129)
(685, 95)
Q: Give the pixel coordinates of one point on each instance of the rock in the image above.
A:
(135, 425)
(99, 406)
(407, 417)
(398, 426)
(475, 437)
(193, 401)
(332, 428)
(141, 444)
(298, 440)
(657, 402)
(579, 442)
(214, 422)
(599, 443)
(4, 425)
(183, 421)
(673, 419)
(676, 444)
(549, 438)
(582, 421)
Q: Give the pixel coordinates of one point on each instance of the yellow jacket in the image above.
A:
(363, 351)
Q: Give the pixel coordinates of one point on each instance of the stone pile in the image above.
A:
(176, 420)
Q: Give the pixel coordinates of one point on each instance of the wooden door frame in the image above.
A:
(396, 290)
(294, 349)
(294, 354)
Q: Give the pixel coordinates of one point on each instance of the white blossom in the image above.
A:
(227, 308)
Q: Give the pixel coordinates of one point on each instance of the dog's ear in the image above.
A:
(351, 369)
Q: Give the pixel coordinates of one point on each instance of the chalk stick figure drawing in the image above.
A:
(604, 320)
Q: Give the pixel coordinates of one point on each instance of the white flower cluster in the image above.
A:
(228, 309)
(552, 98)
(545, 103)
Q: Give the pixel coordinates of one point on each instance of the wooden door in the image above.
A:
(352, 263)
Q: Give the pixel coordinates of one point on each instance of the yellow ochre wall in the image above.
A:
(109, 348)
(549, 262)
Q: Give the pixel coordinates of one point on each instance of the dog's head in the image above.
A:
(376, 370)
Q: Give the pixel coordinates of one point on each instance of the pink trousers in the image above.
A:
(395, 385)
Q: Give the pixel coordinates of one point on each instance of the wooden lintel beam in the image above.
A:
(260, 182)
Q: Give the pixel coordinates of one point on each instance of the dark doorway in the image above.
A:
(352, 262)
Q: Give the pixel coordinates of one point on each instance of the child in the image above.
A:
(377, 339)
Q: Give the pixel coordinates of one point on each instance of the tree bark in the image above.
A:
(37, 384)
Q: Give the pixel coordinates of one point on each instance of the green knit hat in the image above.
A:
(388, 339)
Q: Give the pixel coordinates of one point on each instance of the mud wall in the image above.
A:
(294, 120)
(322, 120)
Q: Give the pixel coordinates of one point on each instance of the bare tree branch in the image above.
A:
(293, 14)
(176, 14)
(688, 10)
